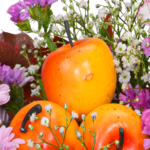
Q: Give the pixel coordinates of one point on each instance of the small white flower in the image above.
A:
(138, 112)
(35, 91)
(55, 28)
(74, 115)
(94, 115)
(128, 4)
(124, 86)
(48, 108)
(45, 121)
(36, 43)
(129, 48)
(82, 4)
(125, 62)
(61, 130)
(127, 36)
(58, 18)
(146, 77)
(120, 48)
(41, 34)
(116, 62)
(66, 17)
(79, 135)
(135, 42)
(102, 12)
(118, 70)
(124, 77)
(17, 66)
(33, 69)
(113, 1)
(32, 117)
(30, 143)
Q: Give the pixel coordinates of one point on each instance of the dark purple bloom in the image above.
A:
(139, 100)
(146, 46)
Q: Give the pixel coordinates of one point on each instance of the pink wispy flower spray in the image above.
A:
(6, 139)
(146, 127)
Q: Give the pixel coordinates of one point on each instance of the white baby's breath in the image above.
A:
(94, 115)
(120, 48)
(30, 143)
(116, 62)
(61, 130)
(146, 77)
(55, 28)
(33, 69)
(35, 91)
(74, 115)
(48, 108)
(32, 117)
(45, 121)
(78, 135)
(124, 76)
(124, 86)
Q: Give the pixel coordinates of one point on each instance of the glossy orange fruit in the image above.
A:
(58, 118)
(82, 76)
(110, 117)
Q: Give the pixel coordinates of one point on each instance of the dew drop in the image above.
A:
(89, 76)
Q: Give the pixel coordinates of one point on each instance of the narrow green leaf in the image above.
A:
(41, 86)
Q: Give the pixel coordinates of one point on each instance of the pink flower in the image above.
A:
(146, 46)
(146, 127)
(6, 142)
(4, 94)
(146, 143)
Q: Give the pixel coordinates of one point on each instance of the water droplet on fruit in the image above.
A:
(89, 76)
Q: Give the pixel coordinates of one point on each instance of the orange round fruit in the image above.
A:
(58, 118)
(82, 76)
(111, 117)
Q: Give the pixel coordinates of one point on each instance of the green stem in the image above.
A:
(83, 144)
(54, 136)
(45, 141)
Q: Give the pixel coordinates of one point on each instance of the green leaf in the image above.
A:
(133, 81)
(102, 32)
(41, 86)
(145, 59)
(140, 74)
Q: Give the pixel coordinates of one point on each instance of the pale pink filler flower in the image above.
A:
(4, 94)
(6, 139)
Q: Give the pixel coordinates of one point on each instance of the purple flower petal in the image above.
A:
(146, 143)
(25, 15)
(50, 2)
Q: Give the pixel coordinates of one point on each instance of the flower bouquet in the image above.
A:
(88, 93)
